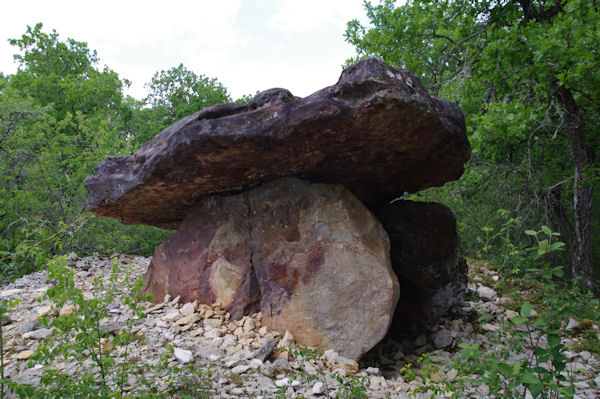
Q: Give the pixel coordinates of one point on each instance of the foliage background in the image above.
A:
(506, 63)
(59, 116)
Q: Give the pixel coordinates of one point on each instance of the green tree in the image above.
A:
(173, 94)
(59, 116)
(524, 73)
(180, 92)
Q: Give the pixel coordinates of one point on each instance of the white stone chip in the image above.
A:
(188, 309)
(282, 382)
(318, 388)
(42, 333)
(241, 369)
(486, 293)
(183, 355)
(171, 315)
(7, 293)
(46, 311)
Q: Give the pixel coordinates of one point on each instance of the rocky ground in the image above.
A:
(246, 360)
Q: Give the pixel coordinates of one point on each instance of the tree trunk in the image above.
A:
(581, 237)
(552, 197)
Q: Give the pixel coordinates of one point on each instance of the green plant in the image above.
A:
(280, 394)
(163, 380)
(499, 246)
(542, 371)
(80, 339)
(301, 354)
(235, 379)
(188, 382)
(532, 118)
(433, 378)
(589, 340)
(351, 387)
(539, 372)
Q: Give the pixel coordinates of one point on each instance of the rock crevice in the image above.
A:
(319, 258)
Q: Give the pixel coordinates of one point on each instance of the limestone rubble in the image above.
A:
(217, 343)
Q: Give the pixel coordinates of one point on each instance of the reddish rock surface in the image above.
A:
(427, 258)
(208, 259)
(377, 132)
(311, 256)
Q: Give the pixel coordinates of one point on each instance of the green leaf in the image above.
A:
(546, 230)
(536, 389)
(528, 377)
(505, 368)
(557, 246)
(525, 309)
(558, 271)
(519, 320)
(531, 233)
(541, 323)
(516, 368)
(553, 340)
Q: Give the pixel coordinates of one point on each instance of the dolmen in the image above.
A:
(288, 206)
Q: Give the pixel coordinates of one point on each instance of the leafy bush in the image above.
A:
(103, 365)
(541, 370)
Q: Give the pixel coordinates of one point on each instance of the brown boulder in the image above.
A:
(311, 256)
(427, 258)
(377, 132)
(208, 259)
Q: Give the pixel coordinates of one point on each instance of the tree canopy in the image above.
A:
(61, 114)
(524, 73)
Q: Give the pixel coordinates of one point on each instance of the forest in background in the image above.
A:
(60, 114)
(524, 73)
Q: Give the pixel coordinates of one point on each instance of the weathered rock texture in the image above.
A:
(209, 258)
(377, 132)
(310, 256)
(427, 258)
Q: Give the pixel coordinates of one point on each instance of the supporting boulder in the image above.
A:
(310, 256)
(208, 259)
(427, 258)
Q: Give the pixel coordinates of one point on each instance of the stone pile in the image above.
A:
(245, 357)
(282, 206)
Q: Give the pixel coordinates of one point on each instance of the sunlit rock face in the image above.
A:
(310, 257)
(376, 131)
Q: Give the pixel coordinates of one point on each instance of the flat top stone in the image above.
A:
(376, 131)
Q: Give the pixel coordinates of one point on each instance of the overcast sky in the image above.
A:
(248, 45)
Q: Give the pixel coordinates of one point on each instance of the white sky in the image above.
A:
(248, 45)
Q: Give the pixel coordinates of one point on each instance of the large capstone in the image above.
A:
(311, 257)
(376, 131)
